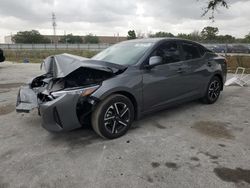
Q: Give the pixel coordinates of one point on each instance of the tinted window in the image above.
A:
(169, 52)
(190, 51)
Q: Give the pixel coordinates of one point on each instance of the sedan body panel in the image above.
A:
(167, 82)
(130, 81)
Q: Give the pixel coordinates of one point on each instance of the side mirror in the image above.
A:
(154, 61)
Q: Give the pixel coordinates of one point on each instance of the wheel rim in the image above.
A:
(214, 90)
(117, 117)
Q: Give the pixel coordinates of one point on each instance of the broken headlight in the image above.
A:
(79, 91)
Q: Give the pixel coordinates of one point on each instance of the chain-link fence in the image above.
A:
(92, 47)
(218, 48)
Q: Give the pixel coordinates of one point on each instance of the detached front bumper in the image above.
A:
(26, 99)
(57, 115)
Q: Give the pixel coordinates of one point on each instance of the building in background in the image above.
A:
(102, 39)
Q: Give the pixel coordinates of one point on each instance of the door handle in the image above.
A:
(180, 70)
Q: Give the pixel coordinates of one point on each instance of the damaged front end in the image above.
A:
(63, 94)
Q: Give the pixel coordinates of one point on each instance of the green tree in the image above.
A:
(247, 38)
(225, 39)
(212, 5)
(91, 39)
(209, 33)
(161, 34)
(27, 37)
(131, 35)
(195, 36)
(183, 36)
(70, 38)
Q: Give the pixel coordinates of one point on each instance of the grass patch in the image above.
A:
(238, 61)
(37, 56)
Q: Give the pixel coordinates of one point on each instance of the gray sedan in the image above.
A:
(121, 84)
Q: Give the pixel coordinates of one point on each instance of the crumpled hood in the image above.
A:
(63, 64)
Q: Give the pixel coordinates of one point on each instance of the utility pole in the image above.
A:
(65, 37)
(118, 37)
(54, 26)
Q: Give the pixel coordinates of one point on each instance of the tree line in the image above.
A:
(207, 35)
(34, 37)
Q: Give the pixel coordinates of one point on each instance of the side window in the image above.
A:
(202, 50)
(169, 52)
(190, 51)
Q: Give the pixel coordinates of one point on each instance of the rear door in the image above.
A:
(194, 58)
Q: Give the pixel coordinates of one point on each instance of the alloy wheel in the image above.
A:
(117, 117)
(214, 90)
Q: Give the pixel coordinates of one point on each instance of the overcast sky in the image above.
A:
(109, 17)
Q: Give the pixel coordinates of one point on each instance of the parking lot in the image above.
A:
(191, 145)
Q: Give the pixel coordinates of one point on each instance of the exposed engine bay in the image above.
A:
(80, 78)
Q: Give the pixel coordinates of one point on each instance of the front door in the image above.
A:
(166, 82)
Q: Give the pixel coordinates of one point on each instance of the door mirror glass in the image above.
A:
(155, 60)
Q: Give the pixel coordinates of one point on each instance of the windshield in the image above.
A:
(126, 53)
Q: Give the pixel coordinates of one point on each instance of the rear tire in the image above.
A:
(213, 91)
(113, 117)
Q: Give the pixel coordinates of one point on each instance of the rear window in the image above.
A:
(191, 51)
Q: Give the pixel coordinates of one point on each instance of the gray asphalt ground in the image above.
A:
(192, 145)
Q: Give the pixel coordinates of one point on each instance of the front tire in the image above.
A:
(213, 91)
(113, 117)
